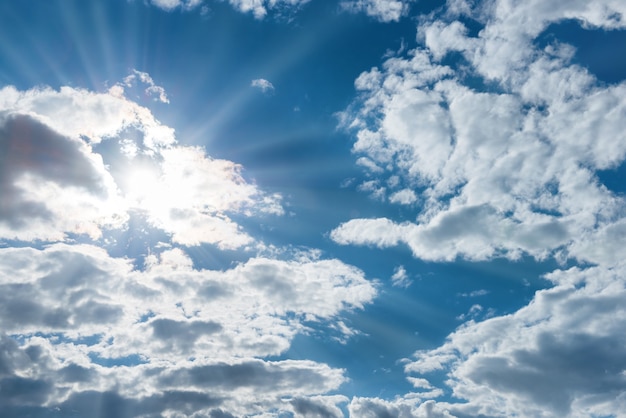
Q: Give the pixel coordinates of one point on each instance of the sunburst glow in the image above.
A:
(144, 189)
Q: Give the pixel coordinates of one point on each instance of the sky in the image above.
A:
(312, 208)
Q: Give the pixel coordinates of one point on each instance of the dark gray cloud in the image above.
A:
(219, 413)
(29, 147)
(559, 370)
(93, 404)
(89, 332)
(182, 334)
(312, 409)
(251, 373)
(65, 290)
(75, 373)
(24, 391)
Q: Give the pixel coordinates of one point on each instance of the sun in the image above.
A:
(145, 189)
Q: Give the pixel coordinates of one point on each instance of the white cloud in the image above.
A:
(260, 8)
(561, 355)
(263, 85)
(383, 10)
(369, 165)
(150, 90)
(403, 197)
(374, 188)
(79, 113)
(51, 184)
(501, 173)
(318, 406)
(505, 172)
(80, 162)
(79, 166)
(208, 326)
(173, 4)
(400, 278)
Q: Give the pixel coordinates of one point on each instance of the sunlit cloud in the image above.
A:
(122, 160)
(72, 171)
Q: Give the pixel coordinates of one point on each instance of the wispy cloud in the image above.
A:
(151, 90)
(400, 277)
(174, 4)
(383, 10)
(263, 85)
(81, 170)
(493, 168)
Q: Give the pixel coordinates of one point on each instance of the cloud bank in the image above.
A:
(501, 139)
(504, 169)
(86, 332)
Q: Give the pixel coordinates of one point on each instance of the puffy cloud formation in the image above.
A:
(562, 355)
(505, 169)
(260, 8)
(89, 333)
(501, 139)
(383, 10)
(78, 162)
(174, 332)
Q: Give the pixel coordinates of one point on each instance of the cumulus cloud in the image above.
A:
(153, 334)
(561, 355)
(50, 183)
(75, 308)
(383, 10)
(403, 197)
(406, 407)
(79, 162)
(318, 406)
(263, 85)
(219, 388)
(260, 8)
(504, 167)
(500, 173)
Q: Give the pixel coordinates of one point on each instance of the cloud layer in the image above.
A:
(500, 139)
(148, 333)
(79, 162)
(504, 169)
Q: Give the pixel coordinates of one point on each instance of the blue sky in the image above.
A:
(310, 208)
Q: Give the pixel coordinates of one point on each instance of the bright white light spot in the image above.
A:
(144, 189)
